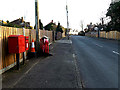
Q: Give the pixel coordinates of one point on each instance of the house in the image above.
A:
(21, 23)
(50, 26)
(113, 1)
(73, 32)
(2, 22)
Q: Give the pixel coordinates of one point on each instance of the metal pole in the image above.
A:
(67, 21)
(98, 33)
(37, 25)
(25, 43)
(18, 62)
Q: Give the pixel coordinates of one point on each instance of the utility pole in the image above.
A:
(37, 25)
(81, 24)
(111, 1)
(67, 20)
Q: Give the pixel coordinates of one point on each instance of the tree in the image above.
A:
(7, 21)
(2, 23)
(51, 26)
(89, 28)
(40, 25)
(114, 12)
(59, 28)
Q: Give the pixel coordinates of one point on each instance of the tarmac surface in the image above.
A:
(58, 70)
(97, 61)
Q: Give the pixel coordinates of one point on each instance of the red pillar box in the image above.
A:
(26, 43)
(16, 44)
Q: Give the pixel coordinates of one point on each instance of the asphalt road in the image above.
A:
(97, 61)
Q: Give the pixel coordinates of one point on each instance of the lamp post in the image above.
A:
(37, 25)
(67, 21)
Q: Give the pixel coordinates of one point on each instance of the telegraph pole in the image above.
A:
(67, 20)
(37, 25)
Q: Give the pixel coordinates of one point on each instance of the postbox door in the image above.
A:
(26, 43)
(21, 44)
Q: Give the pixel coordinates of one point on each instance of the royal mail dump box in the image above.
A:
(44, 45)
(16, 44)
(26, 42)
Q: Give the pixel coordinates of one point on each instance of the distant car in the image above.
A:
(81, 33)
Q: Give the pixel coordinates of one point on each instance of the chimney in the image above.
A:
(52, 21)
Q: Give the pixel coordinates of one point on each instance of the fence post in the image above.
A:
(0, 58)
(0, 50)
(105, 34)
(53, 35)
(119, 36)
(115, 36)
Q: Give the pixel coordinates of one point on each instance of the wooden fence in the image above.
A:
(109, 35)
(9, 60)
(0, 48)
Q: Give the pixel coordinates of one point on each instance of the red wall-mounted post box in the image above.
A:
(16, 44)
(26, 42)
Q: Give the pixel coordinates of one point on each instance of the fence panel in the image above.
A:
(42, 33)
(118, 35)
(0, 47)
(46, 33)
(104, 34)
(8, 60)
(59, 35)
(108, 35)
(33, 34)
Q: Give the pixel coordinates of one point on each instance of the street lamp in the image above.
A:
(67, 21)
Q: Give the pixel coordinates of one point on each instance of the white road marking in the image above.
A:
(116, 52)
(73, 55)
(64, 41)
(98, 45)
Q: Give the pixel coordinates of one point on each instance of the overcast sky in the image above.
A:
(85, 10)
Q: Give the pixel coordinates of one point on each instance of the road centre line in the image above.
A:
(98, 45)
(116, 52)
(73, 55)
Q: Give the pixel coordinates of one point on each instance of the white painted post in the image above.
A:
(25, 44)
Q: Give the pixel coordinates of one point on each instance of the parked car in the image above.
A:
(81, 33)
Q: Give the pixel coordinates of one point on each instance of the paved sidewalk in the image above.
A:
(56, 71)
